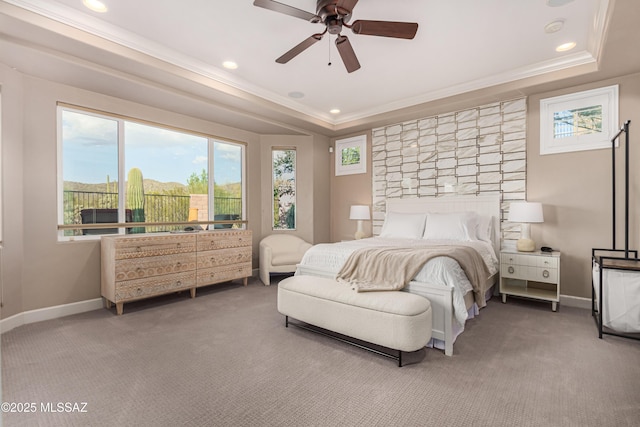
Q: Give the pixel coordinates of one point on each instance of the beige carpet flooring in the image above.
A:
(226, 359)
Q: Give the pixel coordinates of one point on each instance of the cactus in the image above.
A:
(135, 198)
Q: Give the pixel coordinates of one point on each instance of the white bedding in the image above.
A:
(444, 271)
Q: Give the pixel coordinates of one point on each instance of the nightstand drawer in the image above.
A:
(547, 262)
(548, 275)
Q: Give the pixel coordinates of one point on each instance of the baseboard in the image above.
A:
(49, 313)
(579, 302)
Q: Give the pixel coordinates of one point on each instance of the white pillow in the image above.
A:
(451, 226)
(484, 228)
(403, 225)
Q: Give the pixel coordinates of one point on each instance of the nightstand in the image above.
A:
(530, 274)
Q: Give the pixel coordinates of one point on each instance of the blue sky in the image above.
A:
(90, 152)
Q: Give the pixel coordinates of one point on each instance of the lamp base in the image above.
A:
(359, 232)
(525, 245)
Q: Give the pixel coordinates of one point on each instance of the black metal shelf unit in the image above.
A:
(614, 258)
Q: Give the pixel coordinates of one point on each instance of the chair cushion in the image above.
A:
(285, 258)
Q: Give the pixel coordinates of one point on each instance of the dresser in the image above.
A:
(530, 274)
(138, 266)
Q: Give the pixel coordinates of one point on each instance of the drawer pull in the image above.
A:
(178, 245)
(545, 274)
(178, 265)
(511, 270)
(138, 270)
(138, 249)
(179, 283)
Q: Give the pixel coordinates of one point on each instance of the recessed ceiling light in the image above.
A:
(230, 65)
(553, 27)
(557, 3)
(335, 111)
(295, 94)
(95, 5)
(565, 47)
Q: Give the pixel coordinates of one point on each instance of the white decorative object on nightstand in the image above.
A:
(532, 275)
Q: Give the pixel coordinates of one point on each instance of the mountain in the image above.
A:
(150, 186)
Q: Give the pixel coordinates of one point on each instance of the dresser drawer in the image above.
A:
(139, 268)
(222, 257)
(140, 247)
(142, 288)
(223, 240)
(208, 276)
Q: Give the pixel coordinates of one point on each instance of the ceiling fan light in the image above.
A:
(335, 111)
(230, 65)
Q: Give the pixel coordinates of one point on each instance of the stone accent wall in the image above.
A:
(477, 151)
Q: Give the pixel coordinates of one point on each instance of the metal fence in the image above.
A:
(158, 208)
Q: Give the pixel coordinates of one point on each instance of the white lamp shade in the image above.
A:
(359, 212)
(525, 212)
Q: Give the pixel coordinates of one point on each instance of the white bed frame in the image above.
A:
(441, 298)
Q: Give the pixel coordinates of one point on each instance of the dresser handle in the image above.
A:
(178, 245)
(179, 283)
(138, 249)
(511, 270)
(545, 274)
(178, 265)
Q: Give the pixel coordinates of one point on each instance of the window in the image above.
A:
(580, 121)
(284, 188)
(116, 170)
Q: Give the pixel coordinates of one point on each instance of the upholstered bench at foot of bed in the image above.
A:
(393, 319)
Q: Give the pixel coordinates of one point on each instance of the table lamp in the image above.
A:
(360, 213)
(525, 213)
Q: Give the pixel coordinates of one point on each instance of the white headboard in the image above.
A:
(488, 205)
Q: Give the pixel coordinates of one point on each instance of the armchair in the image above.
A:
(280, 253)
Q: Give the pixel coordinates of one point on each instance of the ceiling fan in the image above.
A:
(335, 14)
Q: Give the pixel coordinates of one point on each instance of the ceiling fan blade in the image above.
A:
(299, 49)
(347, 4)
(347, 54)
(400, 30)
(286, 9)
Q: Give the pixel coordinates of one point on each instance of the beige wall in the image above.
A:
(310, 182)
(37, 270)
(575, 189)
(347, 190)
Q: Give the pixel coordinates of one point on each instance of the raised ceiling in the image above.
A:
(461, 46)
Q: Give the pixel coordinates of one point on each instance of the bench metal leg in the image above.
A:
(347, 340)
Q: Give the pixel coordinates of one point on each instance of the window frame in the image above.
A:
(121, 119)
(295, 180)
(607, 97)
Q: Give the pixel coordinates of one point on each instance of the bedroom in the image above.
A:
(41, 275)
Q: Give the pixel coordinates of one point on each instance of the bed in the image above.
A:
(445, 221)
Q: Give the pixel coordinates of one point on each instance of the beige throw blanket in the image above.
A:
(391, 268)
